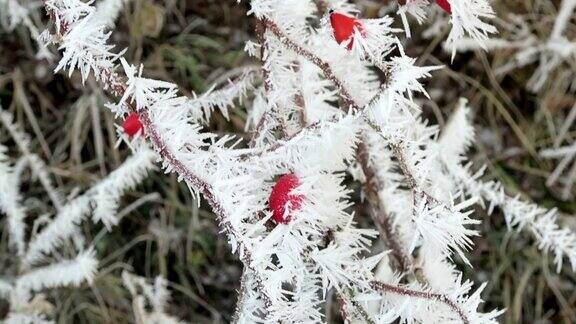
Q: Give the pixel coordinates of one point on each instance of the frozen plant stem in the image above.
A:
(324, 66)
(421, 294)
(36, 164)
(118, 88)
(260, 31)
(200, 185)
(241, 299)
(377, 210)
(564, 14)
(348, 297)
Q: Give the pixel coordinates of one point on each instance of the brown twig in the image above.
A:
(260, 31)
(324, 66)
(377, 285)
(402, 162)
(117, 88)
(279, 145)
(378, 212)
(348, 298)
(241, 297)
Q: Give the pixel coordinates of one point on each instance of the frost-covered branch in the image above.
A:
(14, 13)
(396, 77)
(549, 53)
(64, 273)
(106, 193)
(282, 202)
(467, 17)
(424, 295)
(222, 99)
(11, 202)
(36, 164)
(382, 219)
(42, 264)
(101, 65)
(519, 214)
(144, 294)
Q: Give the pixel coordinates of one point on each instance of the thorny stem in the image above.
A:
(206, 190)
(398, 150)
(301, 104)
(324, 66)
(347, 297)
(377, 285)
(117, 87)
(405, 167)
(260, 31)
(241, 297)
(280, 144)
(342, 308)
(400, 153)
(259, 129)
(382, 220)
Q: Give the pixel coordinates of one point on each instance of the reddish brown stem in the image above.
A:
(382, 220)
(326, 68)
(377, 285)
(111, 81)
(260, 31)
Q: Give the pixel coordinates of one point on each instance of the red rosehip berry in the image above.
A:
(282, 201)
(445, 5)
(132, 125)
(343, 27)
